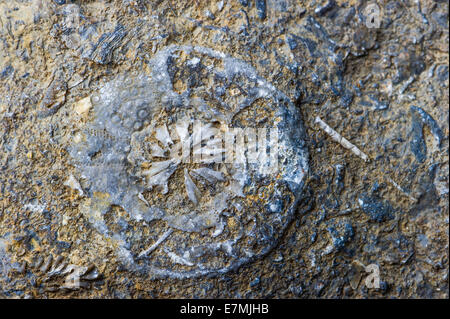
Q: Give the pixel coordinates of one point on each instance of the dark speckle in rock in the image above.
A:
(261, 8)
(255, 282)
(379, 105)
(408, 64)
(245, 3)
(321, 10)
(63, 245)
(318, 288)
(291, 42)
(365, 103)
(417, 64)
(220, 90)
(429, 121)
(313, 237)
(384, 287)
(417, 144)
(6, 71)
(106, 45)
(339, 178)
(341, 234)
(311, 45)
(377, 209)
(441, 19)
(296, 290)
(442, 72)
(376, 187)
(432, 170)
(346, 98)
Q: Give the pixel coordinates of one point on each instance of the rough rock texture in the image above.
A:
(82, 89)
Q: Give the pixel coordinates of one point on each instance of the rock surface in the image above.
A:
(92, 205)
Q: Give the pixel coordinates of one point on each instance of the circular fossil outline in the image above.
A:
(122, 108)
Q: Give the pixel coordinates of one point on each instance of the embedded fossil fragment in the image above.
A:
(178, 201)
(57, 274)
(156, 244)
(340, 139)
(74, 184)
(397, 186)
(428, 120)
(106, 45)
(160, 171)
(54, 97)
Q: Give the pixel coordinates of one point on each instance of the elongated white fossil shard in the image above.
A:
(182, 130)
(157, 151)
(160, 173)
(162, 135)
(178, 259)
(210, 175)
(191, 188)
(340, 139)
(158, 167)
(401, 189)
(156, 244)
(74, 184)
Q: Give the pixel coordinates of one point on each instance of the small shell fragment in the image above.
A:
(83, 106)
(74, 184)
(340, 139)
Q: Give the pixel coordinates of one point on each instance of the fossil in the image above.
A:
(165, 195)
(340, 139)
(73, 276)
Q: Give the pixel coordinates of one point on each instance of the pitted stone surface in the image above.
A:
(82, 161)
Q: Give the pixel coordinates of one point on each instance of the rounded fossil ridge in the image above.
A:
(194, 169)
